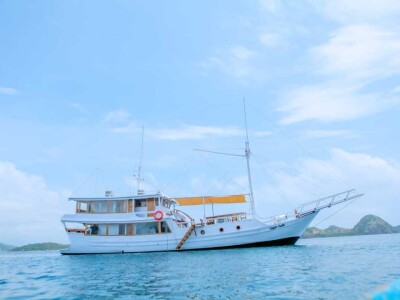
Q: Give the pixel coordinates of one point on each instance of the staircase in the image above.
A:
(185, 237)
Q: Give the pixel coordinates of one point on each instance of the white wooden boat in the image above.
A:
(145, 223)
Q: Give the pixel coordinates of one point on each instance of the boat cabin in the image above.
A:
(142, 205)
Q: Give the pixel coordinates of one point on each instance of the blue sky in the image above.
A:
(79, 79)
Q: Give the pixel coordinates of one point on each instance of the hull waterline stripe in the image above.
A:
(281, 242)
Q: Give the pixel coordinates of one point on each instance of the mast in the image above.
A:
(247, 155)
(138, 177)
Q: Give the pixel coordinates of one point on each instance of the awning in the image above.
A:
(211, 200)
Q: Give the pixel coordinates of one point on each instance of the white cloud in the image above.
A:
(235, 61)
(117, 116)
(77, 106)
(8, 91)
(378, 178)
(128, 127)
(242, 53)
(193, 132)
(29, 211)
(330, 102)
(360, 52)
(354, 69)
(186, 132)
(355, 56)
(269, 39)
(272, 6)
(359, 11)
(330, 133)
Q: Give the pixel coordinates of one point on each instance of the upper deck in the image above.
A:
(128, 204)
(140, 207)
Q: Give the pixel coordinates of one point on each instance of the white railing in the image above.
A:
(182, 223)
(234, 217)
(314, 206)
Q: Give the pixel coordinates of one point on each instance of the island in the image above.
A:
(370, 224)
(40, 246)
(5, 247)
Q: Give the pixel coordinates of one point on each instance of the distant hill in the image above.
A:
(40, 246)
(5, 247)
(369, 224)
(330, 231)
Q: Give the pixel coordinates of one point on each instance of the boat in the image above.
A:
(157, 222)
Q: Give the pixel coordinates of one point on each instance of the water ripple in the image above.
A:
(328, 268)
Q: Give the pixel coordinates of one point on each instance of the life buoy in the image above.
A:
(158, 215)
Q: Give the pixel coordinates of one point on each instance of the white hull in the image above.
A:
(251, 233)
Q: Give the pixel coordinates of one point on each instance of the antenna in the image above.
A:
(138, 177)
(247, 155)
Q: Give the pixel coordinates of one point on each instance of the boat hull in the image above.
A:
(251, 233)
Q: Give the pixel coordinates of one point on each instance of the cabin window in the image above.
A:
(118, 206)
(81, 207)
(102, 229)
(166, 203)
(91, 207)
(113, 229)
(92, 229)
(103, 206)
(165, 228)
(128, 229)
(98, 207)
(140, 203)
(146, 228)
(122, 229)
(114, 206)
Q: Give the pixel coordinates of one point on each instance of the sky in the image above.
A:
(79, 79)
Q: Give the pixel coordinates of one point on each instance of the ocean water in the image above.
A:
(329, 268)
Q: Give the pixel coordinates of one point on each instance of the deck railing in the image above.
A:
(314, 206)
(234, 217)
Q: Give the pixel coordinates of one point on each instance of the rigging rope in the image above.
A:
(283, 131)
(83, 182)
(331, 215)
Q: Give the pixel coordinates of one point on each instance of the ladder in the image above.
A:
(185, 237)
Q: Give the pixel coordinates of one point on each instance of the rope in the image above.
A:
(351, 202)
(174, 180)
(84, 181)
(283, 131)
(221, 174)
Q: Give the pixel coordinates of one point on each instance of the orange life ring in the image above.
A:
(158, 215)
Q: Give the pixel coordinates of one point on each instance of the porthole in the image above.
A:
(202, 232)
(238, 227)
(221, 230)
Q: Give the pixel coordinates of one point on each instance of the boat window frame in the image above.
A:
(158, 231)
(104, 206)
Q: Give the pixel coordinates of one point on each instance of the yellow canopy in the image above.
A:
(211, 200)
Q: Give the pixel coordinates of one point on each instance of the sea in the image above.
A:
(325, 268)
